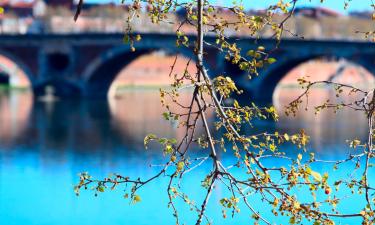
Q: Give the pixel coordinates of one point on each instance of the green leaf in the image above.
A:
(163, 140)
(126, 39)
(172, 141)
(148, 138)
(166, 115)
(244, 66)
(271, 60)
(250, 53)
(101, 189)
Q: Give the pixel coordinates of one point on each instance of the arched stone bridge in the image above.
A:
(86, 64)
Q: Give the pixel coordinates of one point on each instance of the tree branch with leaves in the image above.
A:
(275, 186)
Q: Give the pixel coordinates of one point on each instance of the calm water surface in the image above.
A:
(43, 146)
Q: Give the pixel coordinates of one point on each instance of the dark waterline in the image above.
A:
(43, 146)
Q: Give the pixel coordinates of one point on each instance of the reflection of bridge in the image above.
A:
(86, 64)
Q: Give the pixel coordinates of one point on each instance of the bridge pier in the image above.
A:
(57, 87)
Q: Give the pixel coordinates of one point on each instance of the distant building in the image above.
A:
(18, 8)
(39, 8)
(316, 12)
(362, 15)
(60, 3)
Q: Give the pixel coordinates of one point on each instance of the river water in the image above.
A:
(44, 145)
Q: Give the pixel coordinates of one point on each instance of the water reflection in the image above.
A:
(44, 145)
(138, 112)
(14, 114)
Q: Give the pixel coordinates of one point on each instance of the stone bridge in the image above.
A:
(85, 65)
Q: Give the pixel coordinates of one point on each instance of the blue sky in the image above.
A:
(338, 5)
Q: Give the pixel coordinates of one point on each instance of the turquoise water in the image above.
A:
(43, 146)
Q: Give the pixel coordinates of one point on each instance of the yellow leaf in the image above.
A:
(180, 166)
(272, 147)
(1, 10)
(261, 48)
(235, 104)
(271, 60)
(296, 205)
(316, 175)
(286, 136)
(168, 149)
(275, 202)
(137, 198)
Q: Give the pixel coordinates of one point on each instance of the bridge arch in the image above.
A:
(262, 88)
(268, 79)
(102, 71)
(17, 65)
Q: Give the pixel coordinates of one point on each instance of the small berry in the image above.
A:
(327, 190)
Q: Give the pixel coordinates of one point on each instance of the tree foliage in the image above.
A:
(276, 186)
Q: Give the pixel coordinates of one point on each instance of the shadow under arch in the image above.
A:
(100, 74)
(19, 64)
(263, 86)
